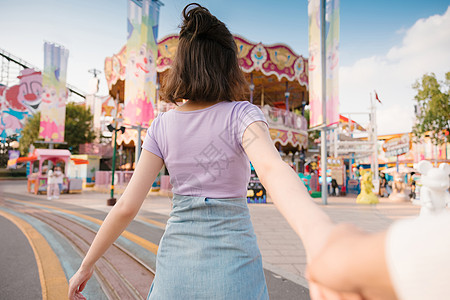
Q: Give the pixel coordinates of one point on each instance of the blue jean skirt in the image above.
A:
(208, 251)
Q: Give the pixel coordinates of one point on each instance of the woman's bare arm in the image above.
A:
(118, 218)
(286, 189)
(344, 260)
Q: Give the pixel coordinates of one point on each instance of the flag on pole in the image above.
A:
(376, 97)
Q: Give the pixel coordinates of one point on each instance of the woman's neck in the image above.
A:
(195, 105)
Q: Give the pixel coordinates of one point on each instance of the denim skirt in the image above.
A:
(208, 251)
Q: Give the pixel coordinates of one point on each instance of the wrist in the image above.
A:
(85, 265)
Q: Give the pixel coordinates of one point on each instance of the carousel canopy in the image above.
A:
(273, 70)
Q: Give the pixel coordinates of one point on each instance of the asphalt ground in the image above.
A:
(22, 278)
(283, 254)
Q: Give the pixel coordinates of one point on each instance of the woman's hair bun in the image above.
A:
(205, 66)
(198, 22)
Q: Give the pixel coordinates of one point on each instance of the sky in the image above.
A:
(385, 45)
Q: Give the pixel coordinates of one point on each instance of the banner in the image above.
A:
(19, 102)
(54, 93)
(315, 62)
(142, 52)
(332, 64)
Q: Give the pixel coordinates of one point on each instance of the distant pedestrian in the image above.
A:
(52, 184)
(383, 186)
(334, 187)
(59, 178)
(209, 249)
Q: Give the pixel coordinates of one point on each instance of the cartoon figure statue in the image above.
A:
(306, 180)
(434, 195)
(398, 188)
(366, 196)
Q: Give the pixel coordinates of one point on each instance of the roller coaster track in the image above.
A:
(20, 62)
(121, 274)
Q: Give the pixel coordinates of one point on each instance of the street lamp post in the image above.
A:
(111, 201)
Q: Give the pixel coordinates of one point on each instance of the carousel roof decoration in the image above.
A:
(273, 69)
(267, 60)
(115, 67)
(277, 59)
(289, 137)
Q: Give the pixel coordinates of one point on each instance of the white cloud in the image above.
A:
(425, 48)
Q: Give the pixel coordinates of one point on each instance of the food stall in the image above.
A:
(40, 159)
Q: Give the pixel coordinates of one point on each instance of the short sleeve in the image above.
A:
(248, 114)
(418, 259)
(151, 141)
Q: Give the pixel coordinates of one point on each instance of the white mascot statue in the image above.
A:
(434, 195)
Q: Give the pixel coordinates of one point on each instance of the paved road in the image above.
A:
(26, 229)
(283, 254)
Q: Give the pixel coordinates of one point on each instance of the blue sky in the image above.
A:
(376, 36)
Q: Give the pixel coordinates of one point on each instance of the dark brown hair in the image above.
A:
(205, 67)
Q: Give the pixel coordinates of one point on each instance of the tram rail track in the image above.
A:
(121, 274)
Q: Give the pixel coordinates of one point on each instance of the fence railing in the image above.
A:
(281, 117)
(275, 116)
(121, 178)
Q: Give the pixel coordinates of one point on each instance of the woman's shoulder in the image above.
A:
(244, 106)
(158, 118)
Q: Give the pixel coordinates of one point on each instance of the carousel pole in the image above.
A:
(323, 152)
(286, 95)
(252, 87)
(262, 96)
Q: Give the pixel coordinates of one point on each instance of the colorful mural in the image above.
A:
(20, 101)
(54, 93)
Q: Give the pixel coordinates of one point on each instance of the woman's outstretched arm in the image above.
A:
(286, 189)
(118, 219)
(346, 262)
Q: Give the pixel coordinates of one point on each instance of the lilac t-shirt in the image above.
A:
(202, 149)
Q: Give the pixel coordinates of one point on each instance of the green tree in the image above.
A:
(432, 108)
(312, 135)
(30, 132)
(78, 129)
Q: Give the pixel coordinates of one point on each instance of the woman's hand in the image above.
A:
(351, 265)
(319, 292)
(78, 282)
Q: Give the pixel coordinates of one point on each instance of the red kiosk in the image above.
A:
(37, 181)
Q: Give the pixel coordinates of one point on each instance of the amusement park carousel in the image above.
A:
(278, 84)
